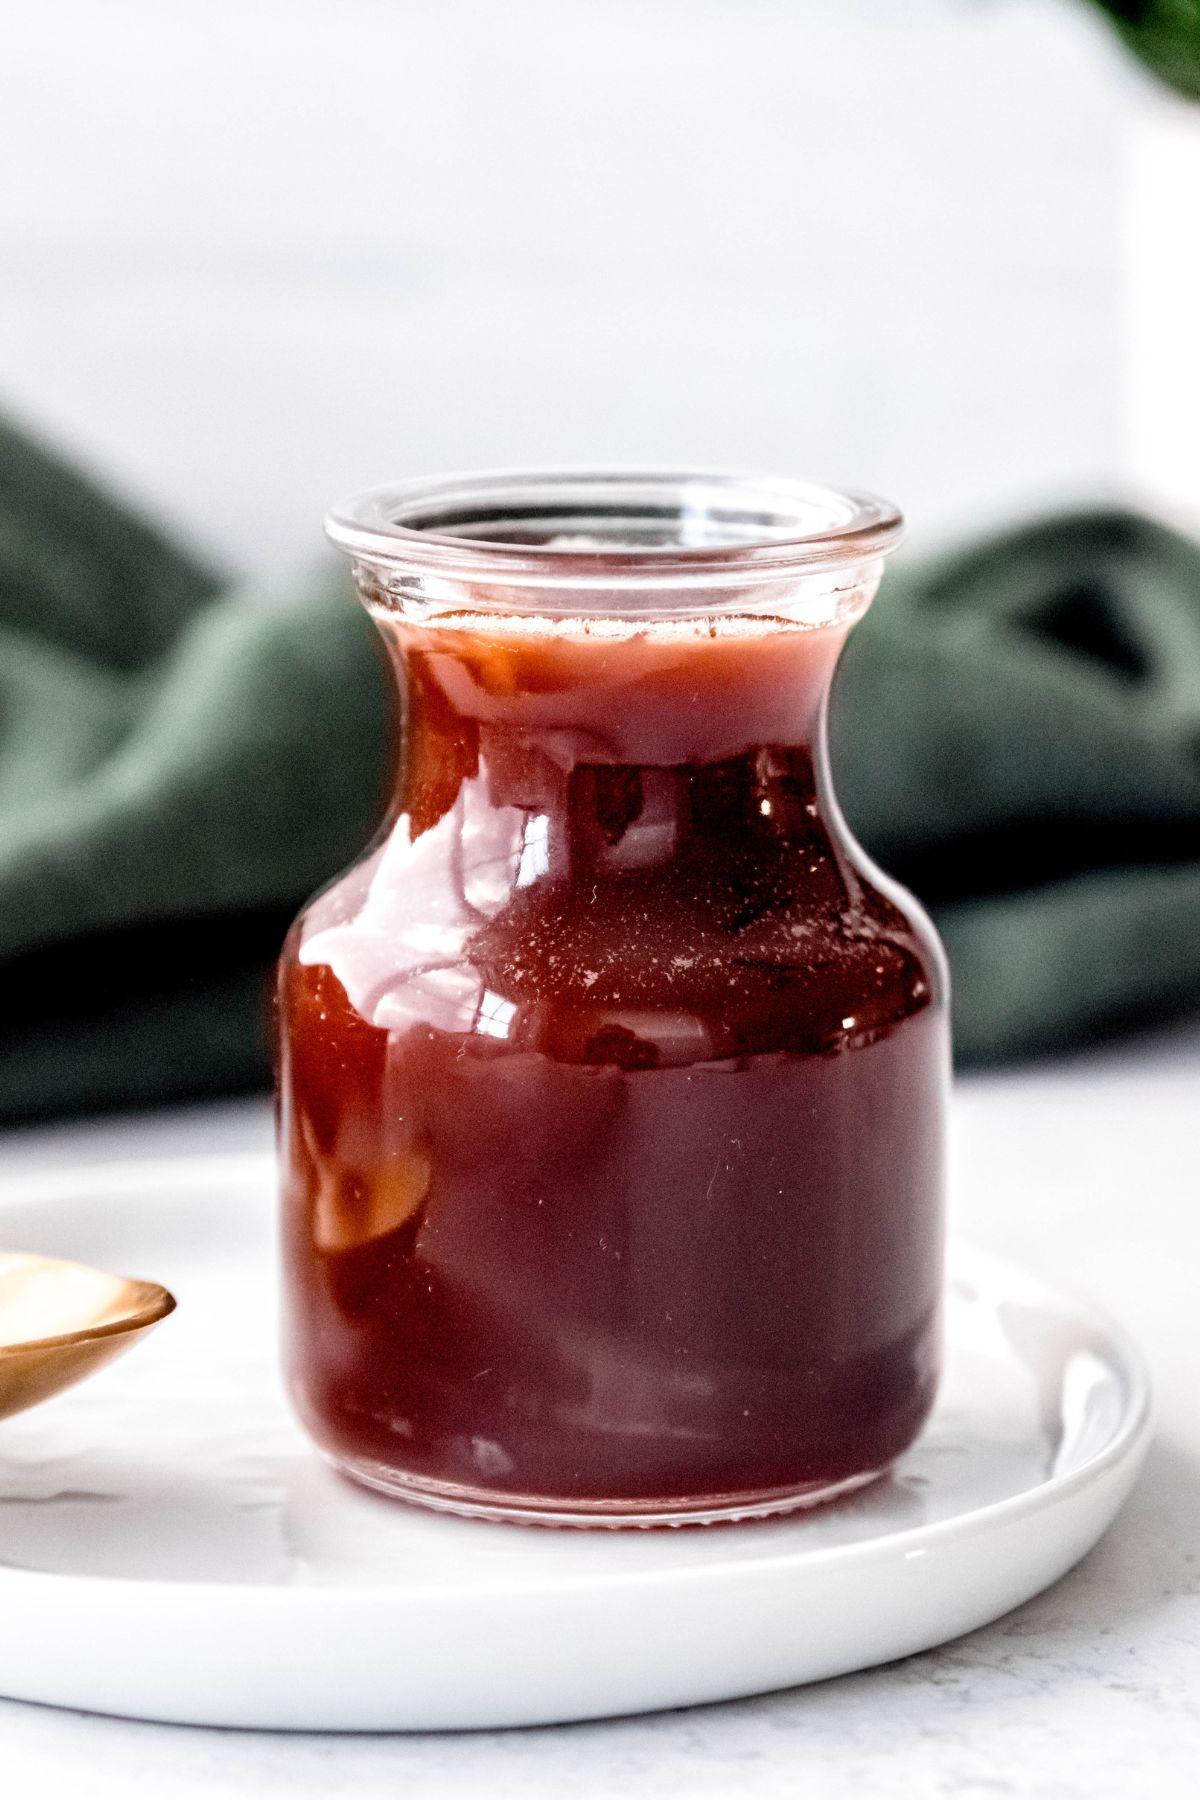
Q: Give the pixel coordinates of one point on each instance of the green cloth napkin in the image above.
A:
(1163, 34)
(182, 763)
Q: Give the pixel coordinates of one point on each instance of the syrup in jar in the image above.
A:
(612, 1076)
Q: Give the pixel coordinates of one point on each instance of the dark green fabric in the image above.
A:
(1163, 34)
(1018, 739)
(181, 763)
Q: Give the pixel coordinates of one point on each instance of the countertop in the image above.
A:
(1087, 1170)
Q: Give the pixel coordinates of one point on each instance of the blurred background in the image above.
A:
(257, 255)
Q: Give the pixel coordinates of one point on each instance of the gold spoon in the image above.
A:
(60, 1321)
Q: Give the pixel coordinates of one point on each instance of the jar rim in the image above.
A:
(611, 528)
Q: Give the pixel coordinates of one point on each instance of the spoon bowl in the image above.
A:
(61, 1321)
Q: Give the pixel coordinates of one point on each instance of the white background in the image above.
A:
(257, 253)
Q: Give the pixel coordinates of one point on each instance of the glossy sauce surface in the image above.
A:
(611, 1086)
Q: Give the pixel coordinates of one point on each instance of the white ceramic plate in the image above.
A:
(171, 1549)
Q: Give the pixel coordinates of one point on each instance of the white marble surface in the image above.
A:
(1088, 1169)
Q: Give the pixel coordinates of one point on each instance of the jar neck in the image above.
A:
(637, 619)
(631, 718)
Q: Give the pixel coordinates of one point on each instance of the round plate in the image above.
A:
(170, 1548)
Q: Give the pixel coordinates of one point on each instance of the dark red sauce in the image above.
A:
(611, 1088)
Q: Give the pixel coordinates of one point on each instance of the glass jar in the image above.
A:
(612, 1076)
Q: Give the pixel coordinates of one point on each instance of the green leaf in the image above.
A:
(1164, 35)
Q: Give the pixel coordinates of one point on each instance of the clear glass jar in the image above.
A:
(612, 1076)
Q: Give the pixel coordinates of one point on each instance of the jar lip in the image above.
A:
(613, 527)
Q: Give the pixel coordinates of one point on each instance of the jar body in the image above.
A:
(611, 1093)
